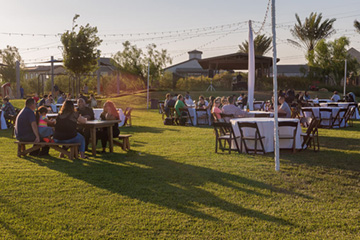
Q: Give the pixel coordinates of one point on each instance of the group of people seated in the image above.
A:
(66, 128)
(231, 106)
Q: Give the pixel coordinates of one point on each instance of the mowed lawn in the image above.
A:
(172, 185)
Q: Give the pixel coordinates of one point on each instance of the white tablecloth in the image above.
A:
(98, 111)
(344, 105)
(316, 111)
(319, 100)
(266, 128)
(258, 105)
(192, 112)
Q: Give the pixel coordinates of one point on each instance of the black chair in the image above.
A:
(187, 115)
(349, 114)
(262, 115)
(256, 137)
(292, 136)
(225, 134)
(332, 105)
(311, 134)
(226, 117)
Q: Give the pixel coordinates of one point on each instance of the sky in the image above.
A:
(211, 26)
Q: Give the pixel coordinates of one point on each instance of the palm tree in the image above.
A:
(312, 30)
(357, 25)
(262, 45)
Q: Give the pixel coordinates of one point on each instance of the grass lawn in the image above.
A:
(173, 186)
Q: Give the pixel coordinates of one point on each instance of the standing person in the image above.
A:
(85, 89)
(56, 90)
(335, 97)
(88, 113)
(65, 127)
(109, 113)
(93, 102)
(21, 92)
(26, 129)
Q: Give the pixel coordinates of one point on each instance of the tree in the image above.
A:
(329, 59)
(134, 61)
(9, 56)
(312, 31)
(357, 25)
(80, 50)
(262, 45)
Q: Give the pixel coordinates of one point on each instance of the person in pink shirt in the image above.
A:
(215, 109)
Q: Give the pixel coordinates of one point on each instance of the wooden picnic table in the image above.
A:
(93, 125)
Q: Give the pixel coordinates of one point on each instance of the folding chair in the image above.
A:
(339, 118)
(187, 116)
(127, 113)
(311, 134)
(256, 137)
(332, 105)
(224, 132)
(204, 115)
(262, 115)
(325, 115)
(226, 117)
(310, 113)
(294, 125)
(258, 105)
(349, 113)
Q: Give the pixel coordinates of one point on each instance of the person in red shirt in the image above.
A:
(36, 98)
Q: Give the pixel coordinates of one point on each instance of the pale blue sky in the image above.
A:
(132, 17)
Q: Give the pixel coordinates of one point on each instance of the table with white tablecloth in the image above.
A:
(316, 111)
(343, 105)
(194, 115)
(253, 113)
(266, 129)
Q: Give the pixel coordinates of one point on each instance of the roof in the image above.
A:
(180, 63)
(291, 68)
(354, 53)
(234, 61)
(195, 51)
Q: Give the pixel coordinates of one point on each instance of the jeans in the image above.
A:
(78, 139)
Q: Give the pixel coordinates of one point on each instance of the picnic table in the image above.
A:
(93, 125)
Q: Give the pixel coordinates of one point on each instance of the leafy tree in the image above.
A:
(80, 50)
(262, 45)
(329, 59)
(134, 61)
(357, 25)
(8, 57)
(312, 31)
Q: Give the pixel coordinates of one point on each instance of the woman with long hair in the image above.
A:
(65, 127)
(109, 113)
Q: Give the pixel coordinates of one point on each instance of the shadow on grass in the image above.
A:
(154, 179)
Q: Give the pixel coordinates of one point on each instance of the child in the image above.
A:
(43, 122)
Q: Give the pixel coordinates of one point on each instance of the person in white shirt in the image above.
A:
(188, 101)
(284, 107)
(335, 97)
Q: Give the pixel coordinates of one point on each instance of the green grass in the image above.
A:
(173, 186)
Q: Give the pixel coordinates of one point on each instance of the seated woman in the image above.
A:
(202, 103)
(65, 127)
(109, 113)
(44, 124)
(216, 110)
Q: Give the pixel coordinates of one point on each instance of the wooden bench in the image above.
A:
(70, 149)
(125, 144)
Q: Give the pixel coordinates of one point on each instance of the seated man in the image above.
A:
(335, 97)
(9, 111)
(179, 104)
(61, 98)
(26, 129)
(168, 103)
(87, 113)
(232, 109)
(284, 107)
